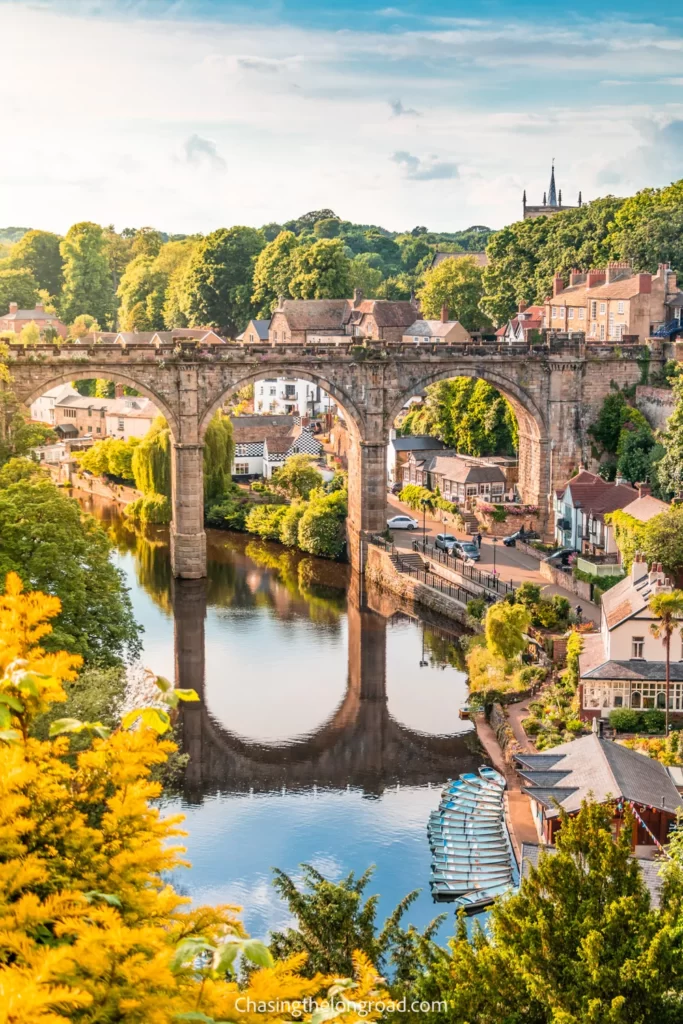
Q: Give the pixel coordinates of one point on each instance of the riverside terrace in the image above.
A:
(555, 390)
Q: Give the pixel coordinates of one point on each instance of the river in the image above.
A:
(327, 725)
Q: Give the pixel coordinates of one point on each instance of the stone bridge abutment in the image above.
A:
(555, 391)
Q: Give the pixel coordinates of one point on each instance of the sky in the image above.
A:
(189, 115)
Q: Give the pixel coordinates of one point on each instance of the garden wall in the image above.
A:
(380, 571)
(565, 580)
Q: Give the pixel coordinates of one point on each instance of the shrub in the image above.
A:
(531, 726)
(528, 593)
(476, 608)
(625, 720)
(414, 496)
(321, 530)
(575, 725)
(289, 525)
(265, 520)
(654, 720)
(227, 514)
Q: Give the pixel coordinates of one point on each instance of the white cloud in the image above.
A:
(296, 118)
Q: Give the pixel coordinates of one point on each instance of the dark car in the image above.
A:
(560, 558)
(396, 488)
(523, 535)
(445, 542)
(467, 550)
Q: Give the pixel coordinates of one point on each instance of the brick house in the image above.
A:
(457, 477)
(623, 665)
(16, 319)
(520, 328)
(81, 415)
(614, 303)
(306, 320)
(580, 506)
(444, 331)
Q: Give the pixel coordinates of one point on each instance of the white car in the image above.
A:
(402, 523)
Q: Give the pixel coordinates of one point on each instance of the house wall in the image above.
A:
(133, 426)
(87, 421)
(249, 465)
(620, 640)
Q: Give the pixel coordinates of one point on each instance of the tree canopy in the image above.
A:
(217, 285)
(88, 285)
(457, 285)
(466, 414)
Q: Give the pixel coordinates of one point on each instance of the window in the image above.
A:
(582, 314)
(635, 699)
(661, 699)
(603, 307)
(618, 701)
(122, 425)
(570, 314)
(274, 335)
(620, 307)
(602, 332)
(98, 430)
(637, 646)
(416, 340)
(594, 310)
(251, 337)
(470, 490)
(89, 413)
(554, 313)
(241, 469)
(70, 414)
(272, 391)
(562, 312)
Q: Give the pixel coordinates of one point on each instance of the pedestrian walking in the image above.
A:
(579, 614)
(478, 539)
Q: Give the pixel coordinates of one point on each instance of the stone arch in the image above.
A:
(103, 372)
(534, 441)
(354, 417)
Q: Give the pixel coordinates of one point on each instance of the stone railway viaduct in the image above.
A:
(555, 390)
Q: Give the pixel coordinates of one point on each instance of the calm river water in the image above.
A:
(327, 726)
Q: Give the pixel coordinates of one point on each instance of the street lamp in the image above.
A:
(425, 502)
(493, 541)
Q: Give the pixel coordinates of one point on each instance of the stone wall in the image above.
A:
(656, 404)
(565, 580)
(380, 572)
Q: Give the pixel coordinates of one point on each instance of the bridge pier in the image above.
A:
(367, 496)
(188, 539)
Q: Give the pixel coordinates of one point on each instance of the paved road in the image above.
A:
(512, 565)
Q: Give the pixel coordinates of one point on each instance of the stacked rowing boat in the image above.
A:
(471, 862)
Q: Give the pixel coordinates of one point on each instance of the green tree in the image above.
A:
(648, 228)
(266, 521)
(273, 272)
(466, 414)
(39, 253)
(637, 450)
(151, 463)
(219, 450)
(88, 286)
(670, 467)
(333, 919)
(667, 608)
(289, 525)
(142, 293)
(504, 629)
(662, 540)
(174, 260)
(364, 275)
(578, 942)
(218, 281)
(54, 547)
(146, 242)
(298, 477)
(321, 271)
(328, 227)
(322, 526)
(458, 285)
(82, 325)
(18, 286)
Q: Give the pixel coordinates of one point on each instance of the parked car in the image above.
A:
(560, 557)
(467, 550)
(445, 542)
(402, 523)
(523, 535)
(395, 488)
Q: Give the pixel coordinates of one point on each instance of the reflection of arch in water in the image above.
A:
(359, 745)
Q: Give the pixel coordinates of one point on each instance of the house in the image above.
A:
(263, 443)
(480, 258)
(399, 449)
(129, 416)
(276, 451)
(43, 408)
(445, 331)
(202, 335)
(301, 321)
(519, 330)
(623, 665)
(255, 332)
(594, 768)
(457, 477)
(613, 303)
(16, 319)
(644, 508)
(81, 416)
(283, 395)
(580, 506)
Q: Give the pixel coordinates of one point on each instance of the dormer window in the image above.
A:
(638, 647)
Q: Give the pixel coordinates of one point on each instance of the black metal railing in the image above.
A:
(470, 572)
(461, 594)
(382, 542)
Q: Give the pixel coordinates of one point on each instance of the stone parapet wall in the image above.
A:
(565, 580)
(380, 572)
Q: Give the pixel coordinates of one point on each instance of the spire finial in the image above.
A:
(552, 194)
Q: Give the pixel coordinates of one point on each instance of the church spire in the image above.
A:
(552, 195)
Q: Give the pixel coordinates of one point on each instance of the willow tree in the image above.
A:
(152, 459)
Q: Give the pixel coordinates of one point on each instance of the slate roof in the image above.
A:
(580, 294)
(416, 443)
(597, 495)
(605, 770)
(459, 468)
(315, 314)
(31, 314)
(626, 599)
(83, 402)
(133, 408)
(650, 869)
(269, 432)
(431, 328)
(388, 313)
(261, 328)
(637, 669)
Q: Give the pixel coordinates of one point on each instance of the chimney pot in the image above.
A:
(644, 284)
(357, 297)
(643, 490)
(13, 307)
(521, 306)
(444, 314)
(558, 284)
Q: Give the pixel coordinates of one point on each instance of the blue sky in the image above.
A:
(193, 115)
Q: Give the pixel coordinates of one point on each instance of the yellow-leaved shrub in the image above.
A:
(89, 929)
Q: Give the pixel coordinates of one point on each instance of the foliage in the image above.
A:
(320, 271)
(219, 450)
(363, 274)
(227, 513)
(151, 508)
(217, 285)
(505, 627)
(88, 284)
(466, 414)
(626, 720)
(667, 609)
(476, 608)
(111, 457)
(638, 454)
(90, 928)
(578, 942)
(82, 325)
(289, 524)
(629, 534)
(297, 477)
(417, 497)
(151, 461)
(265, 521)
(18, 286)
(322, 526)
(95, 695)
(648, 228)
(662, 540)
(39, 253)
(18, 435)
(670, 467)
(273, 272)
(456, 284)
(47, 540)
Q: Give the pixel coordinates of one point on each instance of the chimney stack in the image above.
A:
(13, 307)
(595, 277)
(638, 567)
(118, 390)
(643, 490)
(444, 314)
(357, 297)
(521, 307)
(40, 308)
(558, 284)
(644, 284)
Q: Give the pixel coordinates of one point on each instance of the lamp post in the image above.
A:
(493, 541)
(424, 525)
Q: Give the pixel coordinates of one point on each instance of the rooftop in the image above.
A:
(417, 442)
(646, 508)
(601, 769)
(431, 328)
(597, 495)
(651, 869)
